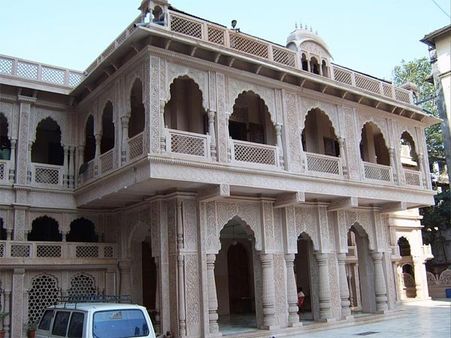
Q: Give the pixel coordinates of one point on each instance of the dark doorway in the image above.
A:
(82, 230)
(149, 277)
(240, 299)
(45, 229)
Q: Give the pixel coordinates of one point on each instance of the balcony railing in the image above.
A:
(46, 174)
(242, 151)
(4, 171)
(324, 164)
(243, 43)
(412, 177)
(136, 146)
(187, 143)
(107, 161)
(29, 70)
(88, 172)
(24, 249)
(377, 172)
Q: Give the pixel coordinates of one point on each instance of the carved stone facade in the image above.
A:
(210, 218)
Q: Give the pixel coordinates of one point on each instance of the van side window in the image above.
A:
(60, 323)
(46, 320)
(76, 325)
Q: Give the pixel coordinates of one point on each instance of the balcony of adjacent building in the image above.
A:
(47, 244)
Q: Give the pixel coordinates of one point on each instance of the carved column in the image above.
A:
(162, 127)
(421, 169)
(279, 144)
(71, 166)
(212, 296)
(211, 131)
(157, 295)
(66, 166)
(110, 282)
(324, 285)
(292, 296)
(17, 305)
(228, 143)
(80, 161)
(23, 139)
(29, 167)
(124, 270)
(268, 290)
(181, 270)
(344, 289)
(6, 308)
(379, 282)
(391, 153)
(124, 143)
(341, 143)
(98, 138)
(12, 159)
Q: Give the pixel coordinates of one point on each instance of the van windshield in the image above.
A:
(119, 324)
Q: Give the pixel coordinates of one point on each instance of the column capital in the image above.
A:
(377, 256)
(211, 114)
(341, 258)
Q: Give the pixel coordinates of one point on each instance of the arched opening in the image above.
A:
(90, 140)
(234, 275)
(314, 66)
(407, 277)
(45, 229)
(409, 157)
(43, 293)
(373, 147)
(107, 142)
(318, 135)
(137, 111)
(149, 279)
(158, 16)
(325, 69)
(184, 111)
(82, 230)
(251, 121)
(3, 234)
(360, 271)
(304, 62)
(5, 144)
(306, 270)
(47, 146)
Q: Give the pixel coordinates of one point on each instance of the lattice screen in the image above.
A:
(82, 286)
(47, 175)
(44, 292)
(2, 171)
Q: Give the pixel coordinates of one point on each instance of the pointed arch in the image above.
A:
(137, 116)
(5, 143)
(45, 228)
(184, 109)
(82, 230)
(44, 291)
(107, 142)
(373, 145)
(319, 135)
(251, 120)
(408, 149)
(47, 146)
(90, 140)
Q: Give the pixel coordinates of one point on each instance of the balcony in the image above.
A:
(136, 146)
(63, 250)
(183, 142)
(324, 164)
(412, 177)
(377, 172)
(255, 153)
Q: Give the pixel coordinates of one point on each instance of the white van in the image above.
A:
(95, 320)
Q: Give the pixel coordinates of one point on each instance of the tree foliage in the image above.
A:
(418, 71)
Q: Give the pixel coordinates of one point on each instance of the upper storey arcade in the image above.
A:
(167, 92)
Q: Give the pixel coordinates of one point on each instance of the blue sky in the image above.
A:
(371, 36)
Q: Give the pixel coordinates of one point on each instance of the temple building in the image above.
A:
(209, 175)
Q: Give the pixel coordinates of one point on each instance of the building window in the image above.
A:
(47, 146)
(137, 111)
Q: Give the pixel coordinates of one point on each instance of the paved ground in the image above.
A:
(417, 319)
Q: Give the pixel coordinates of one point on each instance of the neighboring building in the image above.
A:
(439, 42)
(209, 174)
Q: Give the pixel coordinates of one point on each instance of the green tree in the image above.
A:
(418, 71)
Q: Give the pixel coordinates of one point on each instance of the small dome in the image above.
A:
(304, 39)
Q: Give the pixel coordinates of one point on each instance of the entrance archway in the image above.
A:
(306, 270)
(364, 284)
(234, 276)
(407, 273)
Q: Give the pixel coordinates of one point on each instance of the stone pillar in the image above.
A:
(211, 131)
(66, 166)
(292, 295)
(324, 286)
(71, 166)
(212, 296)
(12, 161)
(379, 283)
(420, 278)
(341, 143)
(110, 281)
(391, 153)
(80, 160)
(163, 126)
(17, 306)
(279, 144)
(229, 151)
(124, 270)
(344, 289)
(181, 271)
(6, 308)
(29, 167)
(157, 295)
(22, 140)
(421, 169)
(98, 138)
(124, 140)
(268, 288)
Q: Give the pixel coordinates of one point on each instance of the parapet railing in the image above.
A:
(28, 249)
(29, 70)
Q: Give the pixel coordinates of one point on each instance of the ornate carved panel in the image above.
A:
(307, 222)
(190, 224)
(154, 106)
(192, 294)
(268, 225)
(352, 143)
(364, 219)
(293, 133)
(280, 285)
